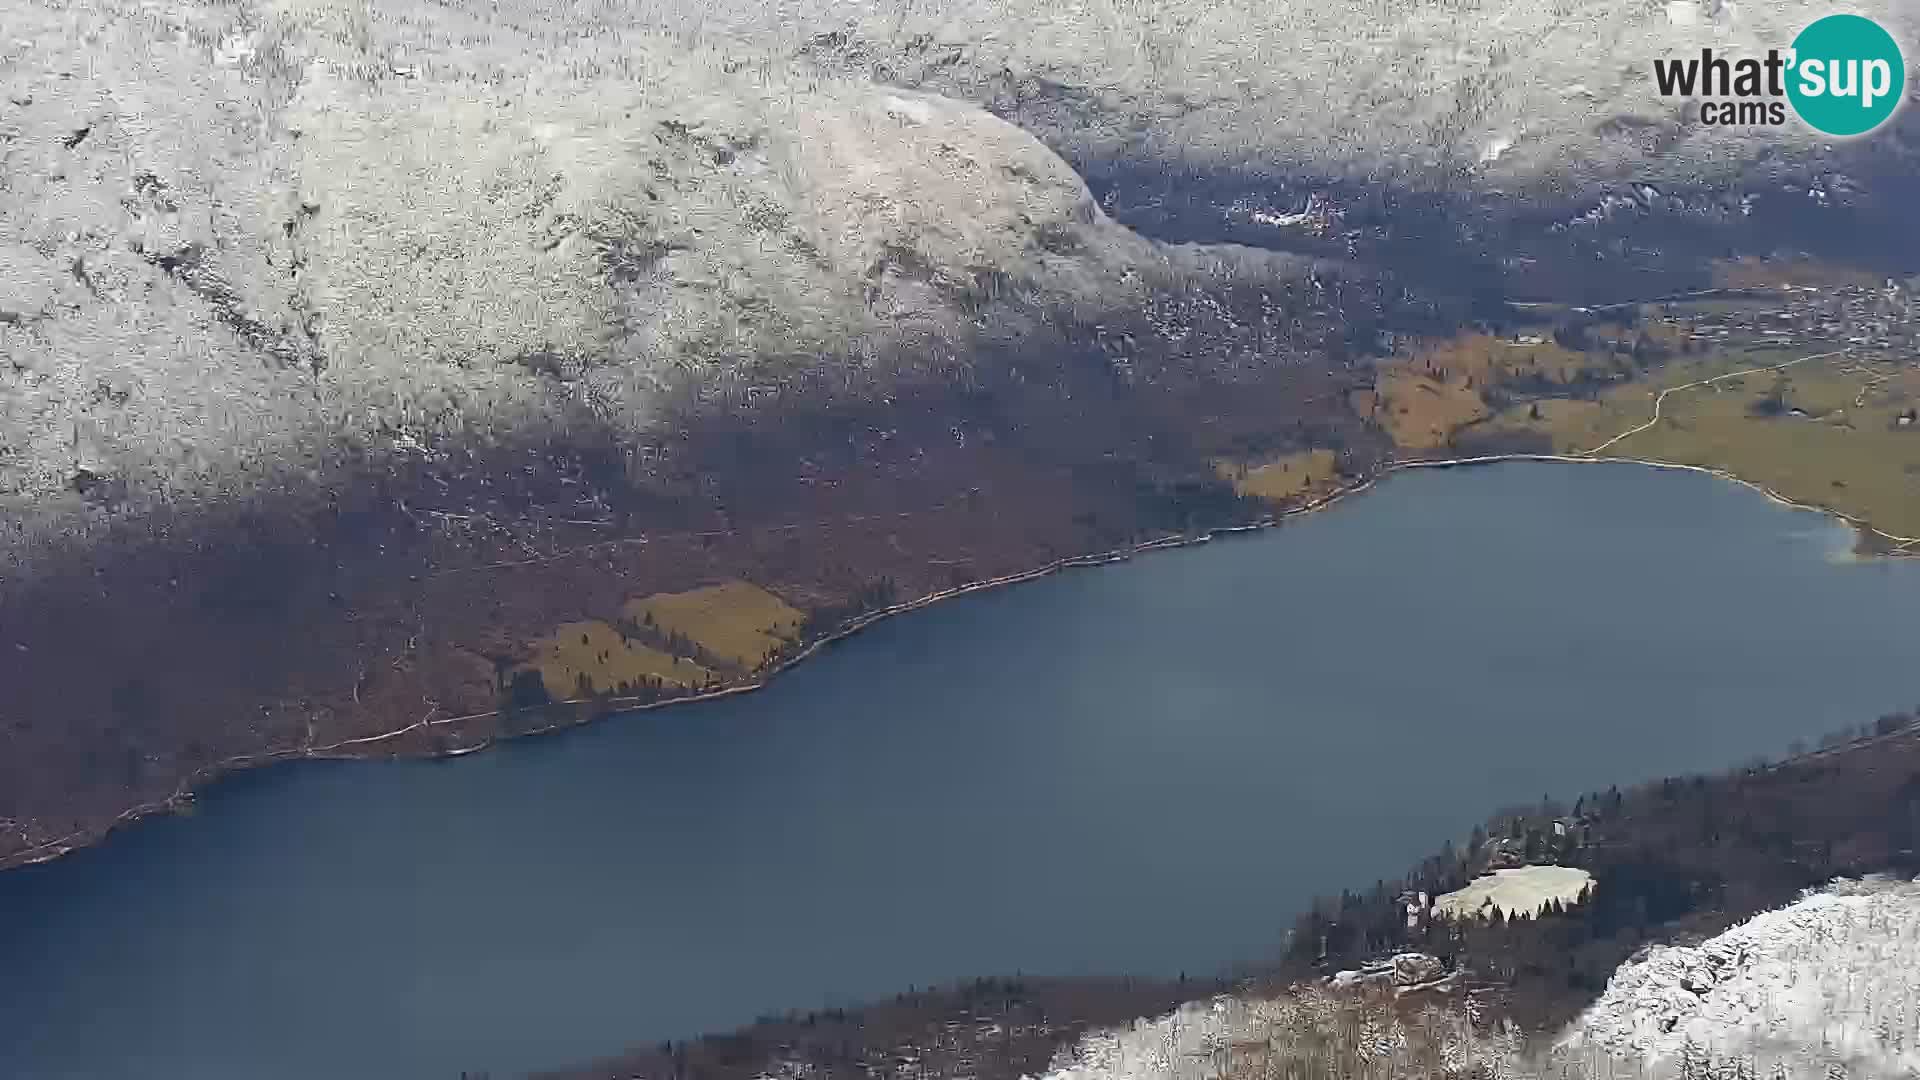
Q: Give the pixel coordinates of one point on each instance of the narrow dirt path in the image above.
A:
(1662, 399)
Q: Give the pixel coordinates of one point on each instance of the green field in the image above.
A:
(1824, 432)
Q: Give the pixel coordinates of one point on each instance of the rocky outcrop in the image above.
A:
(1412, 968)
(1402, 971)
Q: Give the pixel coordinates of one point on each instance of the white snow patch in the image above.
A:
(233, 49)
(1523, 890)
(918, 112)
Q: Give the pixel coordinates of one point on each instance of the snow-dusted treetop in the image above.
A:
(1831, 980)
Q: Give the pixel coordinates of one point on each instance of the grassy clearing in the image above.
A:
(1756, 273)
(1422, 412)
(736, 621)
(1825, 433)
(1423, 399)
(1285, 478)
(595, 657)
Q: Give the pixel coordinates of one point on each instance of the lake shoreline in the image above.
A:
(1869, 542)
(903, 780)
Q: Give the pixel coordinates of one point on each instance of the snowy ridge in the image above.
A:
(1518, 91)
(1321, 1032)
(1827, 981)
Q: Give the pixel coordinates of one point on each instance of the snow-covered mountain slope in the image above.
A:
(364, 183)
(1516, 91)
(246, 239)
(1829, 982)
(242, 236)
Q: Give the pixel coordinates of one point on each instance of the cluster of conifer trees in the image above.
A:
(1686, 853)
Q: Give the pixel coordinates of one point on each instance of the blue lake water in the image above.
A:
(1143, 768)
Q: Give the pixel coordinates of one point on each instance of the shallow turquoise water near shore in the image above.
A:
(1144, 767)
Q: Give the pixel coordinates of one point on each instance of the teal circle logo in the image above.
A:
(1847, 75)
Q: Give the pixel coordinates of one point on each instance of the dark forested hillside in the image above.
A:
(1678, 857)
